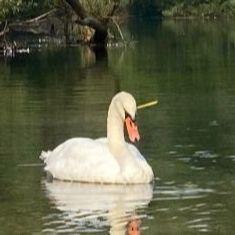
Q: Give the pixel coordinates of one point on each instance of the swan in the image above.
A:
(103, 160)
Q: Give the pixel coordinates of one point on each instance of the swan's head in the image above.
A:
(126, 106)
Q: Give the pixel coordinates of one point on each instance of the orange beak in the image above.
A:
(132, 129)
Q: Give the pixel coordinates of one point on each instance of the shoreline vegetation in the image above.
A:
(209, 10)
(94, 22)
(21, 10)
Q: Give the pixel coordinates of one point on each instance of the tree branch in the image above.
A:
(78, 8)
(5, 30)
(119, 29)
(38, 25)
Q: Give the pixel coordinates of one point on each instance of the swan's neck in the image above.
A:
(115, 132)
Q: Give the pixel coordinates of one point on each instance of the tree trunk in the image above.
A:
(101, 29)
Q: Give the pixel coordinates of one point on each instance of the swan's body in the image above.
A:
(104, 160)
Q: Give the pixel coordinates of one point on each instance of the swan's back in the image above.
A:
(87, 160)
(81, 159)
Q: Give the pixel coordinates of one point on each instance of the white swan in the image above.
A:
(103, 160)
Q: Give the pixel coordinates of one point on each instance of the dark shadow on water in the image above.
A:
(101, 54)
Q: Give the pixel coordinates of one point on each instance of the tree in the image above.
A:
(100, 26)
(91, 13)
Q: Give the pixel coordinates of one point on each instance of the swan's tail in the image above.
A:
(44, 155)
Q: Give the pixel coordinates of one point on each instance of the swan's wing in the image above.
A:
(143, 164)
(82, 159)
(135, 152)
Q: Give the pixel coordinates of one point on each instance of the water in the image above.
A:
(51, 95)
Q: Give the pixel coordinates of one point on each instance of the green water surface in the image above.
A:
(51, 95)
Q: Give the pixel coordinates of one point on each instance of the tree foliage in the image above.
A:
(201, 8)
(23, 8)
(184, 8)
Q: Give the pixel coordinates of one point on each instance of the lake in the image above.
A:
(55, 94)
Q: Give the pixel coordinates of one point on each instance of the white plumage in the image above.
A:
(104, 160)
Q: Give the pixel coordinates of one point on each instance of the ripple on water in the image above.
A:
(70, 222)
(199, 214)
(200, 224)
(205, 154)
(181, 153)
(188, 191)
(232, 157)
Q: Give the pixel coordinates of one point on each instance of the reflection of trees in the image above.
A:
(52, 83)
(184, 46)
(187, 65)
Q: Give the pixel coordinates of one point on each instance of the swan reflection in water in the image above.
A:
(133, 227)
(96, 207)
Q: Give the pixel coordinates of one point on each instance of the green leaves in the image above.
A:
(23, 8)
(199, 8)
